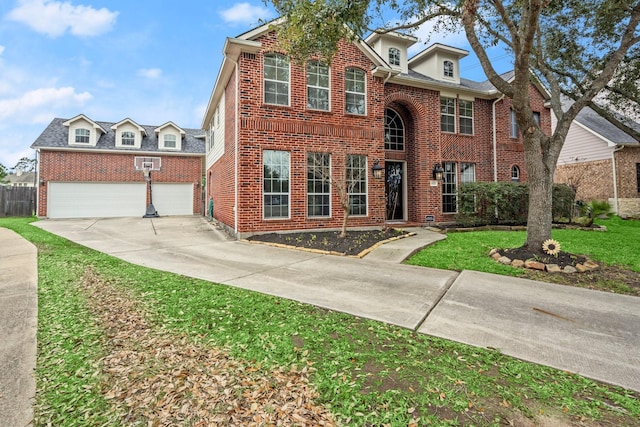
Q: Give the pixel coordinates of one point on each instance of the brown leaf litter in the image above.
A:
(157, 378)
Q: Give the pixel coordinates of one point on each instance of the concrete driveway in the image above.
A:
(588, 332)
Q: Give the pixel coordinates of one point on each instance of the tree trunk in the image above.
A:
(345, 220)
(540, 181)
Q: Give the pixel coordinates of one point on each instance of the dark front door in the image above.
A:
(394, 190)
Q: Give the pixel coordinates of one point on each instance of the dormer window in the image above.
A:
(169, 141)
(82, 136)
(394, 56)
(448, 69)
(128, 139)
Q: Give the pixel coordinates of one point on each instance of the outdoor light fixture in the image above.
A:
(42, 182)
(151, 211)
(438, 172)
(376, 170)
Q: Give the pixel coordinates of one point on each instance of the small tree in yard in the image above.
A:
(349, 183)
(3, 173)
(586, 50)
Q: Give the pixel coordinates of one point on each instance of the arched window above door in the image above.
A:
(393, 131)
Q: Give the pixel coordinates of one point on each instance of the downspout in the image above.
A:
(235, 143)
(495, 138)
(615, 178)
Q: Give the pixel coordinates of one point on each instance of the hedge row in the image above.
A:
(483, 203)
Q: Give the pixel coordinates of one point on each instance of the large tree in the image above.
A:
(584, 51)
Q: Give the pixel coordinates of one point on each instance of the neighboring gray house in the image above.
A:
(20, 179)
(602, 163)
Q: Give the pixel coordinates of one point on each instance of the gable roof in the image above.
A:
(83, 117)
(598, 125)
(170, 124)
(56, 135)
(131, 122)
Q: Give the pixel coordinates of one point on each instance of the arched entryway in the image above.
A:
(395, 166)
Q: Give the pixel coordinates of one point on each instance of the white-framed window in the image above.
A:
(448, 114)
(318, 185)
(356, 91)
(128, 138)
(449, 188)
(318, 86)
(466, 116)
(275, 184)
(82, 136)
(536, 117)
(467, 173)
(514, 125)
(447, 69)
(515, 173)
(393, 131)
(276, 79)
(394, 56)
(169, 141)
(357, 184)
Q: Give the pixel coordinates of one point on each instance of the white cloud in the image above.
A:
(150, 73)
(39, 105)
(428, 34)
(54, 18)
(1, 49)
(245, 13)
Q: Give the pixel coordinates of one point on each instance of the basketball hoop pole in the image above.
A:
(151, 211)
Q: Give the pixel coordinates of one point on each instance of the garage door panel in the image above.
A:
(173, 198)
(95, 199)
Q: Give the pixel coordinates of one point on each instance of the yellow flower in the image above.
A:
(551, 247)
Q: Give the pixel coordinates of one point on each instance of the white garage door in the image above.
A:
(173, 199)
(95, 199)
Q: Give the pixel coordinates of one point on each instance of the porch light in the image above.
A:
(151, 211)
(438, 172)
(376, 170)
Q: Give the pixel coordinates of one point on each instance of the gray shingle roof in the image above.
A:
(56, 135)
(484, 86)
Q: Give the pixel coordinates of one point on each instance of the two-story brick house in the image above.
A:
(88, 168)
(277, 129)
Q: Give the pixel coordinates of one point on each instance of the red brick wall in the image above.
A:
(297, 130)
(626, 161)
(68, 166)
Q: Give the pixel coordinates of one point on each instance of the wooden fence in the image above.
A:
(17, 201)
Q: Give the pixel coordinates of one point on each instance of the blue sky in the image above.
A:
(149, 60)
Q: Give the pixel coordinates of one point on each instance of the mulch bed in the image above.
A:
(353, 244)
(563, 259)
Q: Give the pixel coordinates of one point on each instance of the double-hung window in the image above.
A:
(128, 138)
(357, 184)
(447, 69)
(318, 184)
(82, 136)
(170, 141)
(355, 92)
(317, 86)
(447, 114)
(466, 117)
(276, 79)
(449, 188)
(275, 184)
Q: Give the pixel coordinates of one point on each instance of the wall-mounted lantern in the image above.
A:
(438, 172)
(376, 170)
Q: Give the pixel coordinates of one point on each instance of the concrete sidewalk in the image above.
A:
(18, 324)
(578, 330)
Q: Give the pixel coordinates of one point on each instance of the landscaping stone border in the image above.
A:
(531, 264)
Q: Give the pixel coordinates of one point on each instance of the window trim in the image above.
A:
(447, 114)
(394, 56)
(327, 88)
(514, 132)
(87, 136)
(515, 173)
(347, 92)
(276, 193)
(275, 56)
(175, 141)
(363, 178)
(129, 136)
(451, 185)
(324, 181)
(388, 145)
(460, 117)
(448, 69)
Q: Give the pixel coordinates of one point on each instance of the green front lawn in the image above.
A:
(366, 373)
